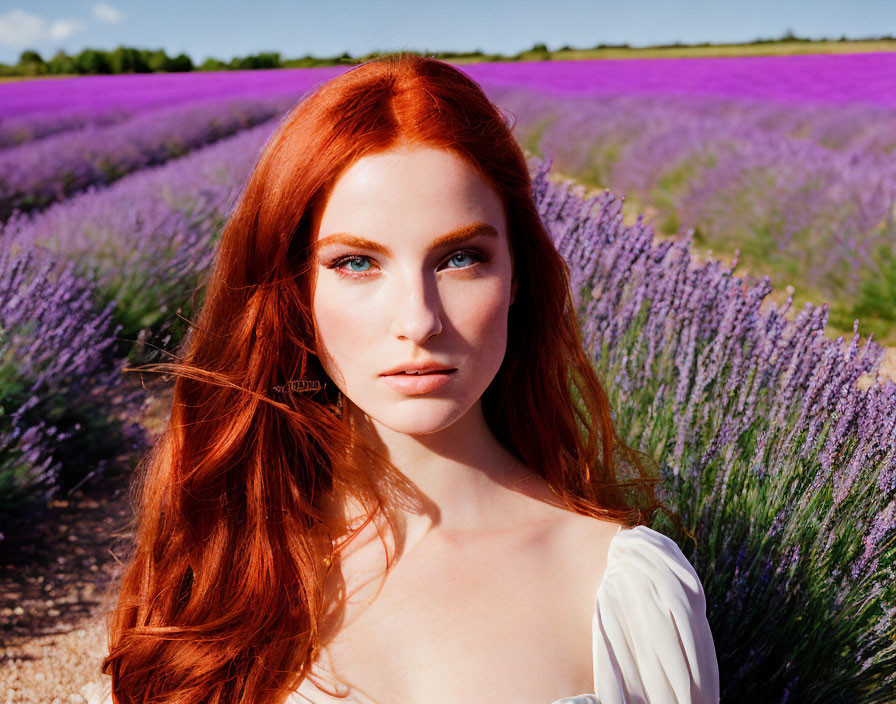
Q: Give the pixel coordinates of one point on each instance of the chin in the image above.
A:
(418, 415)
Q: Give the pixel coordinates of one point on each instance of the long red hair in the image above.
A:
(222, 599)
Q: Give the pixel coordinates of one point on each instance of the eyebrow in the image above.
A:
(461, 234)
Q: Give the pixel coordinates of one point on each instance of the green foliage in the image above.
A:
(875, 304)
(180, 63)
(91, 61)
(157, 61)
(603, 157)
(774, 551)
(132, 60)
(529, 135)
(212, 64)
(29, 56)
(256, 61)
(877, 293)
(539, 52)
(308, 61)
(128, 60)
(31, 63)
(62, 63)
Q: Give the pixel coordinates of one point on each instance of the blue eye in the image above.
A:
(352, 259)
(355, 260)
(462, 254)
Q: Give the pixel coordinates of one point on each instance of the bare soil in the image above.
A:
(56, 576)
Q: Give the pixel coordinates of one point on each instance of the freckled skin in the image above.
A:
(493, 567)
(416, 304)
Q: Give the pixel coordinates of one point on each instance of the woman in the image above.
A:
(318, 522)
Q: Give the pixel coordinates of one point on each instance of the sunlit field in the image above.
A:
(739, 305)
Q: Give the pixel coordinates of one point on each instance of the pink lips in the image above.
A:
(415, 384)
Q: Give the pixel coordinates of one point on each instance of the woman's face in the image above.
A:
(412, 265)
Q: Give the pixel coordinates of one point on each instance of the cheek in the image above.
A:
(342, 325)
(479, 312)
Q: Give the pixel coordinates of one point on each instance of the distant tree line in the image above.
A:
(126, 59)
(96, 61)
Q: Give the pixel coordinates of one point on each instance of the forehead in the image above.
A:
(418, 189)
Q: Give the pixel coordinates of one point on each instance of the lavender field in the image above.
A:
(41, 172)
(776, 439)
(805, 194)
(823, 79)
(788, 160)
(35, 109)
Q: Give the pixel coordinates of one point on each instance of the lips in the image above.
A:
(417, 384)
(434, 371)
(411, 368)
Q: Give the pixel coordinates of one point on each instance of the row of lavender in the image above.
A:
(834, 80)
(778, 446)
(81, 284)
(60, 295)
(824, 79)
(33, 110)
(57, 375)
(44, 171)
(807, 194)
(63, 328)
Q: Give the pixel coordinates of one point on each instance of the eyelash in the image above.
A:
(339, 261)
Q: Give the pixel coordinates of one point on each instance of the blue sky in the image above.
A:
(224, 29)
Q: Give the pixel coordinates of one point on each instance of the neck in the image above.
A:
(467, 483)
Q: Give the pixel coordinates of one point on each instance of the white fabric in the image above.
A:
(99, 692)
(652, 642)
(651, 639)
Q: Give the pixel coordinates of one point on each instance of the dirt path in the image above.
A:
(52, 597)
(55, 577)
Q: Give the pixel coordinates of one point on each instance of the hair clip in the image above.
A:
(300, 385)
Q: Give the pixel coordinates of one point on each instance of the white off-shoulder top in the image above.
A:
(651, 640)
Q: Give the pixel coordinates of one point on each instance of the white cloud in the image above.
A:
(60, 29)
(107, 13)
(19, 29)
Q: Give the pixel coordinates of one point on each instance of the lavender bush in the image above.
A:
(80, 284)
(807, 196)
(54, 368)
(20, 130)
(777, 446)
(34, 175)
(147, 240)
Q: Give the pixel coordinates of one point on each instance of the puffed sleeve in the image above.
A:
(652, 642)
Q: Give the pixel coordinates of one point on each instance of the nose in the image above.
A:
(418, 310)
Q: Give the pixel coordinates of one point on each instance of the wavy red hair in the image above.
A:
(222, 598)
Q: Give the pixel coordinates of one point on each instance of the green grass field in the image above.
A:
(766, 49)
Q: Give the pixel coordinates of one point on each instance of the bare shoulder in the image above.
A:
(588, 534)
(583, 545)
(584, 539)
